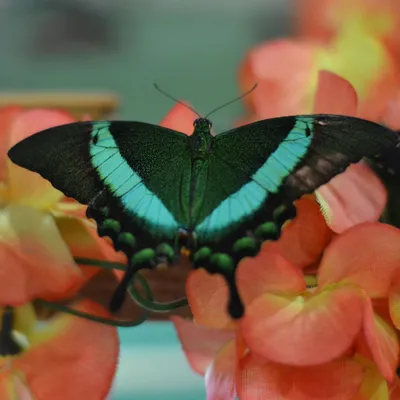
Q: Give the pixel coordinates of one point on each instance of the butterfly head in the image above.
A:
(202, 124)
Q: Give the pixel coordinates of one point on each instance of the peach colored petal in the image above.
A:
(366, 255)
(199, 343)
(12, 387)
(391, 118)
(303, 330)
(305, 237)
(383, 343)
(351, 198)
(337, 380)
(7, 115)
(208, 298)
(180, 118)
(269, 271)
(70, 357)
(83, 242)
(283, 70)
(334, 95)
(220, 376)
(26, 187)
(35, 260)
(394, 302)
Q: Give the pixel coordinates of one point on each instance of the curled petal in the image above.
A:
(208, 298)
(306, 236)
(351, 198)
(366, 255)
(303, 331)
(220, 376)
(382, 342)
(269, 271)
(394, 303)
(35, 260)
(180, 118)
(286, 76)
(335, 95)
(200, 344)
(71, 350)
(260, 379)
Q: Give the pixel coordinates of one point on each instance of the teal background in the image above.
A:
(192, 49)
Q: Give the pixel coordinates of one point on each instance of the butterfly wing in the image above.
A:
(119, 170)
(278, 160)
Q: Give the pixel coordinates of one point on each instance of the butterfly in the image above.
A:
(158, 193)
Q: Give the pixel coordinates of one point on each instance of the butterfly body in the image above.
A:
(157, 192)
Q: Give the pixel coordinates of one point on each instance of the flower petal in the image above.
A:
(220, 376)
(200, 344)
(26, 187)
(351, 198)
(394, 302)
(366, 255)
(269, 271)
(391, 117)
(306, 236)
(180, 118)
(83, 242)
(208, 298)
(261, 380)
(71, 350)
(35, 260)
(383, 343)
(12, 387)
(285, 73)
(335, 95)
(7, 115)
(303, 331)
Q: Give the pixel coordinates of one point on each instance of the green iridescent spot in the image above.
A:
(126, 238)
(223, 262)
(202, 254)
(166, 250)
(144, 256)
(268, 230)
(111, 224)
(246, 244)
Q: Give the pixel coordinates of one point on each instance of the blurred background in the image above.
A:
(102, 58)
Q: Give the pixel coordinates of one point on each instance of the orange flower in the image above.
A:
(321, 20)
(62, 358)
(40, 234)
(41, 230)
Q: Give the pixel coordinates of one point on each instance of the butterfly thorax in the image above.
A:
(200, 141)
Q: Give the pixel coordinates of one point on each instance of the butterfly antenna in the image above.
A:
(176, 100)
(232, 101)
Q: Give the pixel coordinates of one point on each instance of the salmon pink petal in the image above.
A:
(180, 119)
(351, 198)
(7, 115)
(12, 387)
(83, 242)
(220, 376)
(261, 380)
(382, 342)
(36, 261)
(26, 187)
(303, 330)
(366, 255)
(335, 95)
(394, 302)
(269, 271)
(208, 297)
(306, 236)
(285, 73)
(391, 117)
(70, 350)
(200, 344)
